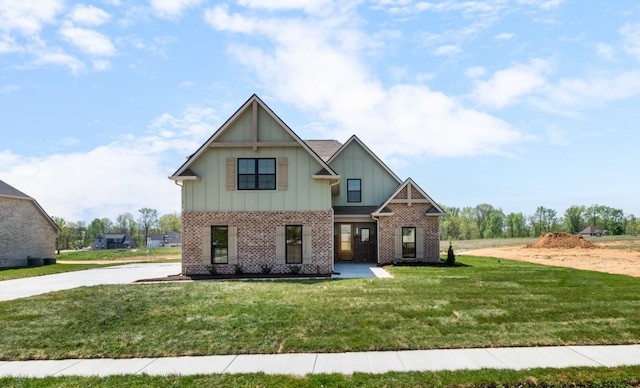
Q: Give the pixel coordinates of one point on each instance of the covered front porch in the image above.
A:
(355, 239)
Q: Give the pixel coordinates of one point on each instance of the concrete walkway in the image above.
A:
(343, 363)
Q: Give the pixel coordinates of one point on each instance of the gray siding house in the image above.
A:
(26, 231)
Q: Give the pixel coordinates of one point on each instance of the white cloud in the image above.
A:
(447, 50)
(8, 45)
(89, 41)
(73, 186)
(631, 35)
(171, 9)
(9, 89)
(507, 86)
(595, 90)
(605, 51)
(311, 67)
(504, 36)
(101, 64)
(28, 16)
(475, 72)
(89, 15)
(306, 5)
(56, 58)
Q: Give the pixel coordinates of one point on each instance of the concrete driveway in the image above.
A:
(121, 274)
(129, 273)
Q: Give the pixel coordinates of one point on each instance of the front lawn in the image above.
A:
(487, 303)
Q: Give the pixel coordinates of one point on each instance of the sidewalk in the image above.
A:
(344, 363)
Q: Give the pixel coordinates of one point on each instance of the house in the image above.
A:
(169, 239)
(593, 231)
(28, 234)
(114, 241)
(257, 197)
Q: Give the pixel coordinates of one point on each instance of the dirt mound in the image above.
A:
(561, 241)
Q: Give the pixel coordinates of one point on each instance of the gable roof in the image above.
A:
(253, 103)
(355, 139)
(9, 191)
(419, 197)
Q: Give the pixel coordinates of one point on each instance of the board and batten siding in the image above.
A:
(302, 191)
(376, 183)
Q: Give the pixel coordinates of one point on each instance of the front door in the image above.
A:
(346, 242)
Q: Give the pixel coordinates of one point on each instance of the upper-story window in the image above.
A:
(256, 174)
(354, 190)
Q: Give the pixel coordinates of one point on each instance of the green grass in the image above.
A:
(17, 273)
(572, 377)
(487, 303)
(113, 254)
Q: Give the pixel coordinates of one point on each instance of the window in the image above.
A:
(408, 242)
(354, 193)
(294, 244)
(364, 235)
(219, 244)
(256, 174)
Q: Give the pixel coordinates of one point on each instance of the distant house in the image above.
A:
(593, 231)
(169, 239)
(26, 231)
(114, 241)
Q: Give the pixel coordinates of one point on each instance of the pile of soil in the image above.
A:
(560, 240)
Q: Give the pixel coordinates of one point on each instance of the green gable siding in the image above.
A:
(354, 162)
(241, 130)
(210, 193)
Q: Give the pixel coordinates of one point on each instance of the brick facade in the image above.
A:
(409, 216)
(256, 240)
(25, 233)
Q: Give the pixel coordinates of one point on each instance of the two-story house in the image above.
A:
(258, 198)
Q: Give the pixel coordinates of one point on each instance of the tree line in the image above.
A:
(79, 234)
(486, 221)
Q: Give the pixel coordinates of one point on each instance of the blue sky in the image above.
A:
(518, 104)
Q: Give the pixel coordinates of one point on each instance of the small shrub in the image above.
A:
(238, 269)
(295, 269)
(213, 270)
(265, 269)
(451, 257)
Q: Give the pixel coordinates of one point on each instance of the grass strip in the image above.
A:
(569, 377)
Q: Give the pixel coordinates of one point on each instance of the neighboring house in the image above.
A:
(169, 239)
(114, 241)
(26, 231)
(255, 195)
(593, 231)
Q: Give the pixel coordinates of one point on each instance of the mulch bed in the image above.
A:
(177, 278)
